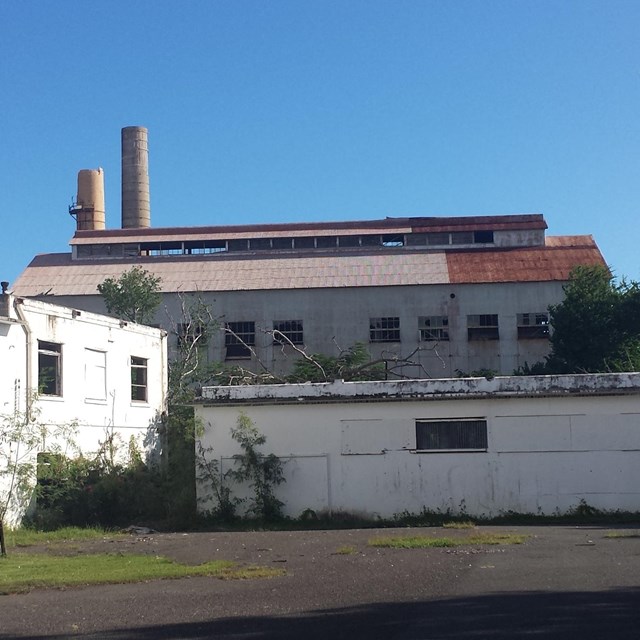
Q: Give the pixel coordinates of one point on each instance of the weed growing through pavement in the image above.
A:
(425, 542)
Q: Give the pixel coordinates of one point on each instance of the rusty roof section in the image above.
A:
(554, 261)
(297, 229)
(57, 274)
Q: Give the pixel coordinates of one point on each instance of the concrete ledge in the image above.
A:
(430, 389)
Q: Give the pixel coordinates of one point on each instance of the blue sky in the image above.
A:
(282, 111)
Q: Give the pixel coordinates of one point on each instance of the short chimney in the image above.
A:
(5, 300)
(136, 210)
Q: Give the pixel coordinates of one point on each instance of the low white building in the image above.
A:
(86, 375)
(477, 446)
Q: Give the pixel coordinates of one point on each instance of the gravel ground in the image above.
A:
(563, 582)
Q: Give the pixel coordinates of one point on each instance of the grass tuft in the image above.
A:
(622, 534)
(425, 542)
(23, 537)
(22, 572)
(466, 524)
(346, 550)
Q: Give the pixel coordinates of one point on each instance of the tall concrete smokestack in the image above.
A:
(136, 210)
(88, 209)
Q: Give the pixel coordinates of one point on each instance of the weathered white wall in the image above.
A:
(92, 419)
(552, 442)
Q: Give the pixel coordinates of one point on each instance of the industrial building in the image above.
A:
(451, 295)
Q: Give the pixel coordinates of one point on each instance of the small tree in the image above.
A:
(134, 296)
(596, 328)
(263, 472)
(21, 435)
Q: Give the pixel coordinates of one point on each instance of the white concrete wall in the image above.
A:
(546, 452)
(88, 417)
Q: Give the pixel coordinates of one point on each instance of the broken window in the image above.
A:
(433, 328)
(451, 435)
(483, 237)
(533, 326)
(393, 240)
(384, 329)
(239, 338)
(138, 379)
(483, 327)
(49, 368)
(287, 332)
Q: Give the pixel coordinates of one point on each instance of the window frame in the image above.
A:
(94, 365)
(538, 330)
(484, 328)
(384, 329)
(237, 343)
(479, 425)
(139, 379)
(47, 349)
(433, 328)
(292, 330)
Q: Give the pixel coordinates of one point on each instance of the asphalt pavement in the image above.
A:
(563, 582)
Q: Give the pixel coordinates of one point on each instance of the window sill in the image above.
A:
(102, 403)
(51, 398)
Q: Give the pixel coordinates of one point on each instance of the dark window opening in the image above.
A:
(49, 368)
(304, 243)
(451, 435)
(483, 327)
(483, 237)
(349, 241)
(370, 241)
(237, 245)
(533, 326)
(437, 238)
(393, 240)
(384, 329)
(462, 237)
(416, 239)
(326, 242)
(239, 338)
(260, 244)
(282, 243)
(287, 331)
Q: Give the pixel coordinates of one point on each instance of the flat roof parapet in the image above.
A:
(425, 390)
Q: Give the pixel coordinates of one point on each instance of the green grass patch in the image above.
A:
(24, 537)
(22, 572)
(466, 524)
(425, 542)
(346, 550)
(622, 534)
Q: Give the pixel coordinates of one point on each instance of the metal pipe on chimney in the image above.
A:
(136, 209)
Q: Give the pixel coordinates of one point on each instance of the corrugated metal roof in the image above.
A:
(552, 262)
(57, 274)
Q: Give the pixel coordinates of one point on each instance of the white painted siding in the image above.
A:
(546, 452)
